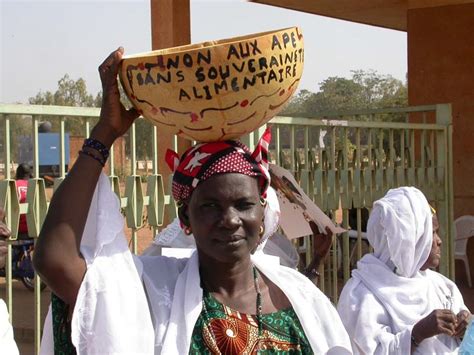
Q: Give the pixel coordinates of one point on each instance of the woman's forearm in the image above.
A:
(57, 256)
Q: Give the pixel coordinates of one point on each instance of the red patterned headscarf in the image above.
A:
(204, 160)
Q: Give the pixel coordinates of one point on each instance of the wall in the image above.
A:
(441, 70)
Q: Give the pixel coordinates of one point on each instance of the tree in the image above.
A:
(364, 90)
(69, 93)
(72, 92)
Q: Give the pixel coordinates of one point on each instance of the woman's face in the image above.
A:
(435, 255)
(225, 215)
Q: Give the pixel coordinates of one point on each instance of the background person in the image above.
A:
(394, 303)
(23, 173)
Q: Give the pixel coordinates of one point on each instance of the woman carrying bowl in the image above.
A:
(226, 298)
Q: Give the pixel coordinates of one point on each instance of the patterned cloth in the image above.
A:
(237, 333)
(61, 327)
(204, 160)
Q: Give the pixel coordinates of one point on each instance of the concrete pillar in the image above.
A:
(170, 27)
(441, 70)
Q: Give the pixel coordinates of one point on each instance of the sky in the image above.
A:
(40, 41)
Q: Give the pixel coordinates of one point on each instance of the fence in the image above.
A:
(344, 162)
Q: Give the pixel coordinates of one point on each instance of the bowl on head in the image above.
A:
(216, 90)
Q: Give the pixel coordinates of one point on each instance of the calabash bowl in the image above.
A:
(216, 90)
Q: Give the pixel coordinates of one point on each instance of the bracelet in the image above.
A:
(93, 156)
(99, 146)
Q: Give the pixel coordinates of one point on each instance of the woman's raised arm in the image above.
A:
(57, 258)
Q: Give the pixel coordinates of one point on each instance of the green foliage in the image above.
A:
(364, 90)
(70, 92)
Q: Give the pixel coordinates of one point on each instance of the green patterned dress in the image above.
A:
(61, 327)
(230, 332)
(235, 333)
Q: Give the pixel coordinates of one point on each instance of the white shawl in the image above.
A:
(388, 294)
(7, 342)
(115, 314)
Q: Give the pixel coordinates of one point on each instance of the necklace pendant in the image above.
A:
(230, 333)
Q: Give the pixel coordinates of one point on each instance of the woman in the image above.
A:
(23, 173)
(226, 298)
(394, 303)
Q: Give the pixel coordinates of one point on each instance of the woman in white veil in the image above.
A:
(394, 303)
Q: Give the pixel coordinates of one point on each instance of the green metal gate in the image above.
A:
(344, 161)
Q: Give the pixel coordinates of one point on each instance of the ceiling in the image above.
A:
(383, 13)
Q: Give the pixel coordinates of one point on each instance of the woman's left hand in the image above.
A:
(115, 119)
(321, 242)
(462, 322)
(321, 245)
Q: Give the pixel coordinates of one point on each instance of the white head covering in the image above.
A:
(400, 229)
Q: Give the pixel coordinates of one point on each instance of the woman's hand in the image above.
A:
(463, 321)
(321, 245)
(440, 321)
(115, 119)
(321, 242)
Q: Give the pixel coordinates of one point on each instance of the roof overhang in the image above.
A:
(382, 13)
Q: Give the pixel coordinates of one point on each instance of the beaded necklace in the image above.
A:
(258, 306)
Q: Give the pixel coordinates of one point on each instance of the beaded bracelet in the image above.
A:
(93, 156)
(99, 146)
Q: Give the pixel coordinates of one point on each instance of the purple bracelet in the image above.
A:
(89, 154)
(99, 146)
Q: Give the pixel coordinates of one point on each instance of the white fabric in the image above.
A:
(108, 316)
(280, 246)
(380, 304)
(112, 315)
(400, 229)
(271, 219)
(7, 343)
(175, 313)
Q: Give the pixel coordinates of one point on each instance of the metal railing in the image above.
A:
(344, 162)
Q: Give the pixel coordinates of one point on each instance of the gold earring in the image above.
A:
(179, 204)
(187, 230)
(261, 231)
(263, 201)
